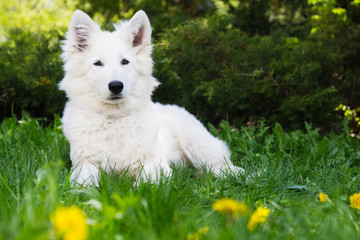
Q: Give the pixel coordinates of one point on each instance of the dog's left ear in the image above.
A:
(140, 29)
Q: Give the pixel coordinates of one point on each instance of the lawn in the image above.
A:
(285, 172)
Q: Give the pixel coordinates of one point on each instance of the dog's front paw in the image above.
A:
(85, 175)
(225, 170)
(154, 173)
(236, 170)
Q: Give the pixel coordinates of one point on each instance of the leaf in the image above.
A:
(279, 133)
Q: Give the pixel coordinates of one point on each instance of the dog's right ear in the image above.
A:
(81, 28)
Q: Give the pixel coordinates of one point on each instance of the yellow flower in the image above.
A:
(355, 200)
(70, 223)
(198, 235)
(323, 197)
(259, 216)
(230, 206)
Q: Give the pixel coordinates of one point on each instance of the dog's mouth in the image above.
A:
(114, 97)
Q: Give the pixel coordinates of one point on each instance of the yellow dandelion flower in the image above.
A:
(70, 223)
(323, 197)
(259, 216)
(198, 235)
(355, 200)
(230, 206)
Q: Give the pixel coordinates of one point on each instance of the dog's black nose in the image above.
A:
(116, 87)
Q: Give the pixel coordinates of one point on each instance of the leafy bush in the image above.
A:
(217, 72)
(30, 65)
(305, 63)
(30, 70)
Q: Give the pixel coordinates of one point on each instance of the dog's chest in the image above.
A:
(120, 130)
(115, 141)
(123, 136)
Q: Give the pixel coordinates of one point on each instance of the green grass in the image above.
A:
(294, 166)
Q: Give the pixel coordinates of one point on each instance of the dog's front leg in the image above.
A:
(85, 174)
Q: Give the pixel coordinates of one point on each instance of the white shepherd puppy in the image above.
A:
(110, 120)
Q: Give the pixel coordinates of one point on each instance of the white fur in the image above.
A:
(130, 132)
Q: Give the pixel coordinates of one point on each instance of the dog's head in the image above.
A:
(112, 67)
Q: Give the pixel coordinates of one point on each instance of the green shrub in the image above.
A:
(218, 71)
(30, 70)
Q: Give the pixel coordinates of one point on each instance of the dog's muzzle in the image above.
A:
(116, 87)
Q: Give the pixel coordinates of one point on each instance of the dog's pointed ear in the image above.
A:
(80, 30)
(140, 29)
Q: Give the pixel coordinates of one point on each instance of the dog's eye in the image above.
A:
(98, 63)
(124, 62)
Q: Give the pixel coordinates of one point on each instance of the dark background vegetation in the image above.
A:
(243, 61)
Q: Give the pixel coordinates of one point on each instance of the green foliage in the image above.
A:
(289, 74)
(221, 72)
(30, 70)
(30, 64)
(164, 14)
(33, 15)
(285, 171)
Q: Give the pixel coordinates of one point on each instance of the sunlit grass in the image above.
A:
(286, 172)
